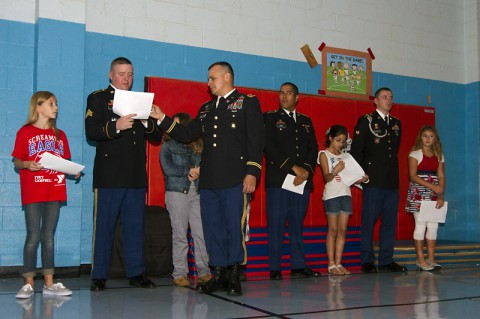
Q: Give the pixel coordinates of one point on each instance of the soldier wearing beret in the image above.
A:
(119, 178)
(290, 148)
(232, 128)
(375, 146)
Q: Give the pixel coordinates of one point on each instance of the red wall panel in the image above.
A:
(186, 96)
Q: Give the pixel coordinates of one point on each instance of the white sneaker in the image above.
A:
(57, 289)
(25, 292)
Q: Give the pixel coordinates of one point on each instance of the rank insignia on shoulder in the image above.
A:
(89, 113)
(250, 95)
(97, 91)
(271, 111)
(357, 132)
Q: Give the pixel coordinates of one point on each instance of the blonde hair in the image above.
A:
(37, 99)
(437, 145)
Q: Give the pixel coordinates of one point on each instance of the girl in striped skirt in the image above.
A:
(426, 169)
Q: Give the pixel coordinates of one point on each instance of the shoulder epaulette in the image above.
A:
(368, 117)
(251, 95)
(272, 111)
(298, 113)
(393, 117)
(97, 91)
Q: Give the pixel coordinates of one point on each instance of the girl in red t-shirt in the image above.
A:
(42, 190)
(426, 169)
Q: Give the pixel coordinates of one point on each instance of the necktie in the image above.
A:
(292, 116)
(221, 101)
(386, 119)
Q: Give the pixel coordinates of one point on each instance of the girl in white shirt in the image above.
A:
(336, 196)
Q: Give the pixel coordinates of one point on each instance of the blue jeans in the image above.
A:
(41, 220)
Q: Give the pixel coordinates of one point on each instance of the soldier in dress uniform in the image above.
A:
(375, 147)
(290, 148)
(232, 128)
(119, 178)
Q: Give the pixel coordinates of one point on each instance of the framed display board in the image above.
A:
(346, 73)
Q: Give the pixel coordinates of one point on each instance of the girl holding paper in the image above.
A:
(426, 169)
(337, 198)
(42, 190)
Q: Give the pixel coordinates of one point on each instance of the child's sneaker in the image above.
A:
(25, 292)
(57, 289)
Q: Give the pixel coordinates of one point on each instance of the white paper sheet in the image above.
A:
(288, 185)
(59, 164)
(352, 171)
(428, 212)
(128, 102)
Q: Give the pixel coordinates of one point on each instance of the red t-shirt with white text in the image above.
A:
(45, 185)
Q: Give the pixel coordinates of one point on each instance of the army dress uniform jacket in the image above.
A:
(288, 143)
(375, 147)
(233, 139)
(120, 159)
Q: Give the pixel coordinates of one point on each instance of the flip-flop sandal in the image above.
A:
(344, 270)
(333, 270)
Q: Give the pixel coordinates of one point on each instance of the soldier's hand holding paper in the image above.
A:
(128, 102)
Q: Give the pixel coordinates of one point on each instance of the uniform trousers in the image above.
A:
(223, 217)
(283, 205)
(184, 210)
(130, 204)
(379, 203)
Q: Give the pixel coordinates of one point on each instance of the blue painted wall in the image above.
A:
(65, 59)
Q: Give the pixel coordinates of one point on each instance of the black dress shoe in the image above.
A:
(141, 281)
(218, 281)
(392, 267)
(369, 268)
(98, 285)
(275, 275)
(234, 286)
(306, 272)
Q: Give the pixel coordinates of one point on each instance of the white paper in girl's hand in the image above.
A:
(429, 212)
(352, 171)
(59, 164)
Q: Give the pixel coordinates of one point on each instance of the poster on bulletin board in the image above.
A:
(346, 73)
